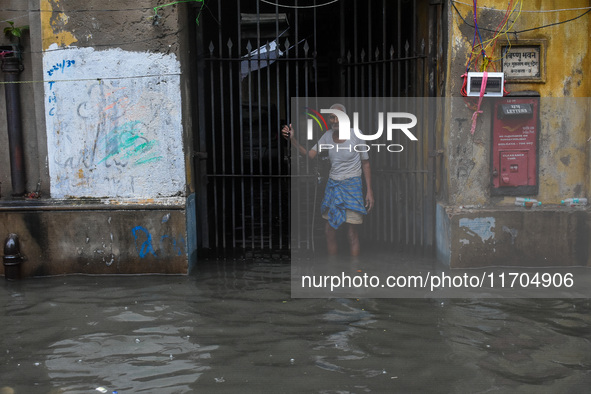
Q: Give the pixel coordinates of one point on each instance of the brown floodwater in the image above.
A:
(234, 328)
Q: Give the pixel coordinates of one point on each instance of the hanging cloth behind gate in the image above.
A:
(263, 56)
(260, 58)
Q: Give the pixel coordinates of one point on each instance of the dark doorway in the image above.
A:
(254, 56)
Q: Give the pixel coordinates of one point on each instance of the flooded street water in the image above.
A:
(234, 328)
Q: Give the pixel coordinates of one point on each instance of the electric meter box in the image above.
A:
(494, 84)
(514, 151)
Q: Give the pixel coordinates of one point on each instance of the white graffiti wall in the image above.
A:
(113, 124)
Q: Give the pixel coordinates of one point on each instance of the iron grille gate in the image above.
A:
(253, 58)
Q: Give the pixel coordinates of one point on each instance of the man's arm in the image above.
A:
(289, 134)
(369, 200)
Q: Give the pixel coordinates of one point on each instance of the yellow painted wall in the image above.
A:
(564, 157)
(568, 52)
(54, 25)
(567, 46)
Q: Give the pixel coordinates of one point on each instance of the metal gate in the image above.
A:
(254, 56)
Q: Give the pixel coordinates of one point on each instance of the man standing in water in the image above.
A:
(343, 198)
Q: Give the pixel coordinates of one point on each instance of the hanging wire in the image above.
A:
(93, 79)
(532, 11)
(299, 6)
(15, 18)
(480, 47)
(502, 25)
(156, 16)
(501, 30)
(525, 30)
(81, 10)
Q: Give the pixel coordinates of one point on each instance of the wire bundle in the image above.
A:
(480, 47)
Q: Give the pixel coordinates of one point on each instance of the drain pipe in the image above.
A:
(12, 258)
(12, 67)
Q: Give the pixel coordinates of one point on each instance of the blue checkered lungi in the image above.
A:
(340, 196)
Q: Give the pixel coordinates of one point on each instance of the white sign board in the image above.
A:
(521, 62)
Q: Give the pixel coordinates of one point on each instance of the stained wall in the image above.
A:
(107, 131)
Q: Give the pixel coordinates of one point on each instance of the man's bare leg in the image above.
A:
(331, 239)
(353, 239)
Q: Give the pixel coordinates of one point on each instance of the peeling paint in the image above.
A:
(53, 31)
(483, 227)
(564, 122)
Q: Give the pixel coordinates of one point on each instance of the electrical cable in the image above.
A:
(278, 5)
(493, 41)
(100, 10)
(477, 30)
(176, 2)
(532, 11)
(299, 6)
(523, 31)
(487, 61)
(116, 44)
(553, 24)
(13, 19)
(82, 10)
(92, 79)
(113, 45)
(498, 33)
(499, 30)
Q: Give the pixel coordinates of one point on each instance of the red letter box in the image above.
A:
(515, 146)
